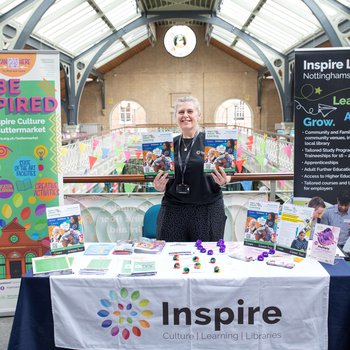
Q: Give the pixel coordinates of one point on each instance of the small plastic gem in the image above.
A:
(216, 269)
(265, 254)
(195, 258)
(176, 266)
(176, 257)
(222, 250)
(203, 250)
(272, 251)
(210, 252)
(197, 265)
(261, 257)
(212, 260)
(198, 242)
(186, 270)
(220, 242)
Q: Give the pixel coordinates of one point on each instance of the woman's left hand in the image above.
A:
(220, 177)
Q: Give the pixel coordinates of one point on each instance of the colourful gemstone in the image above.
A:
(197, 265)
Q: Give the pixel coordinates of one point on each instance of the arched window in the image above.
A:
(29, 258)
(234, 112)
(127, 113)
(2, 267)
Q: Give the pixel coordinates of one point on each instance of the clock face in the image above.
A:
(14, 238)
(180, 41)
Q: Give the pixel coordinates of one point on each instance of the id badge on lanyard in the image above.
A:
(183, 188)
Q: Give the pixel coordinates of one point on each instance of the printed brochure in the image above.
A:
(65, 229)
(261, 224)
(99, 248)
(149, 247)
(293, 229)
(49, 265)
(96, 266)
(324, 243)
(158, 154)
(138, 268)
(220, 150)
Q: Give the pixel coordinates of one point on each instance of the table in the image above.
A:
(33, 322)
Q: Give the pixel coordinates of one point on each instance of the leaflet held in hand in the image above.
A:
(220, 150)
(158, 154)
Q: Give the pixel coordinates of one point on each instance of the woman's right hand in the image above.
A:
(160, 181)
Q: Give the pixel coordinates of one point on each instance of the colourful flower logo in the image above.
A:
(125, 313)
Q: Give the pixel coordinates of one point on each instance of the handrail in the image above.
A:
(141, 178)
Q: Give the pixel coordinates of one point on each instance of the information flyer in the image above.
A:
(293, 229)
(65, 229)
(322, 122)
(261, 224)
(324, 243)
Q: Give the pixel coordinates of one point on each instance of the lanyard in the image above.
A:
(183, 168)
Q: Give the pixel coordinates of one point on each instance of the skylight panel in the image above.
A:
(86, 36)
(136, 34)
(66, 24)
(233, 13)
(221, 39)
(119, 12)
(244, 49)
(226, 35)
(7, 5)
(273, 35)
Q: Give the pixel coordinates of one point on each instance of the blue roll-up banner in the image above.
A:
(322, 122)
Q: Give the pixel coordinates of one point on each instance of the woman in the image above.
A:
(192, 206)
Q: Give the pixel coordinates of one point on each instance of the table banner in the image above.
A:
(191, 313)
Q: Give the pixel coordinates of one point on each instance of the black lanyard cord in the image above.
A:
(184, 167)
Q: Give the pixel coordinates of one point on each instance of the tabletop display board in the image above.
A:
(30, 137)
(322, 122)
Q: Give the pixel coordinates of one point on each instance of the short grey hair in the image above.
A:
(185, 99)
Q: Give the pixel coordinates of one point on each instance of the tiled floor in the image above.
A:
(5, 329)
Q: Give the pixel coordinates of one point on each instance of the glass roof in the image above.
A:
(74, 26)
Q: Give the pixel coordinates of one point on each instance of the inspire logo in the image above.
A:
(124, 313)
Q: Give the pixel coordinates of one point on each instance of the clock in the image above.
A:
(14, 239)
(180, 41)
